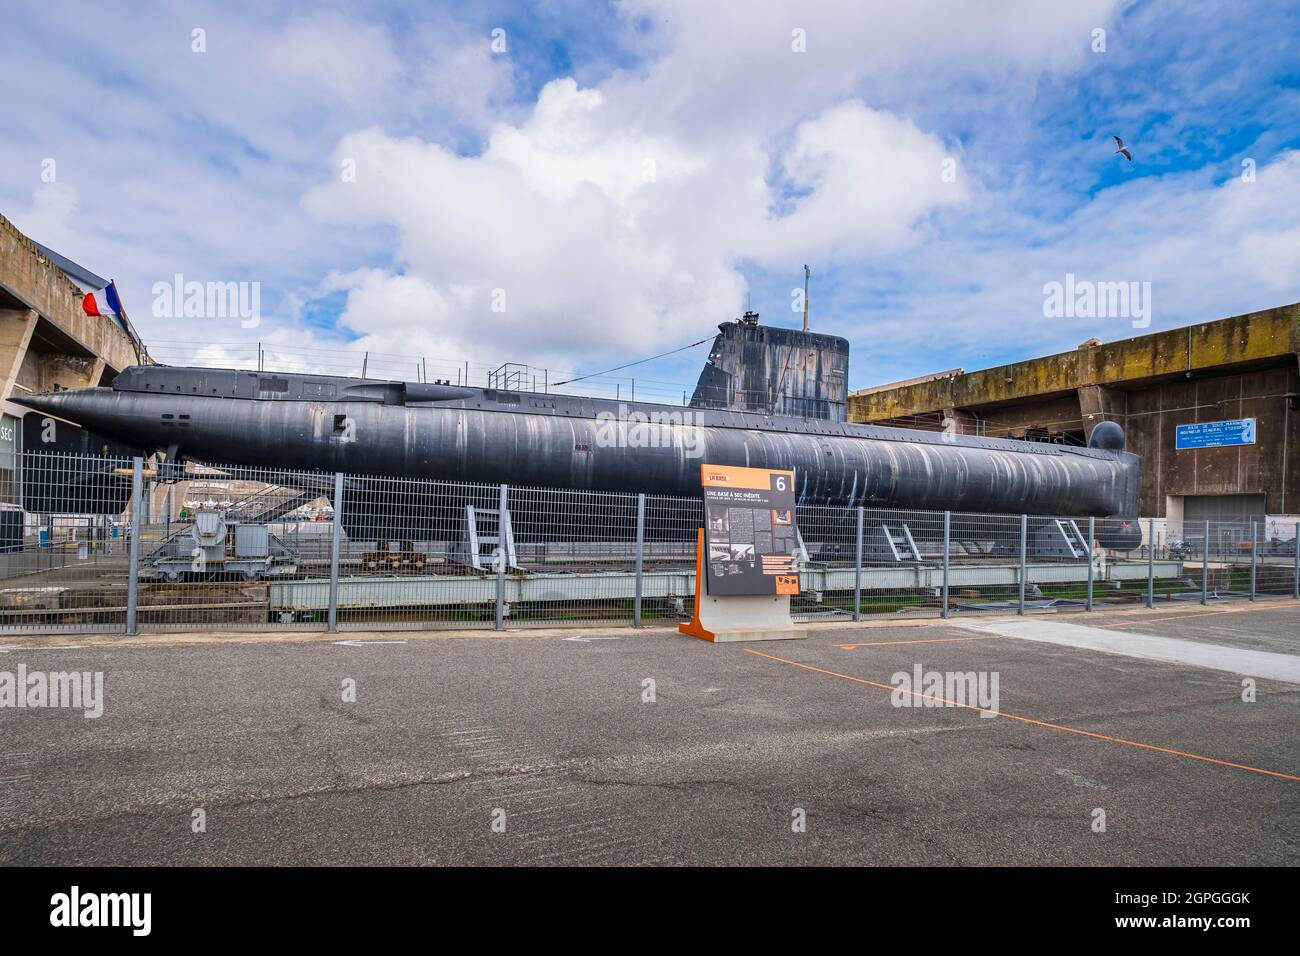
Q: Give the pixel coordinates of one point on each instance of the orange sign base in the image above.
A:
(736, 617)
(695, 628)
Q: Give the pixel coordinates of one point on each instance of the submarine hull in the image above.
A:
(413, 430)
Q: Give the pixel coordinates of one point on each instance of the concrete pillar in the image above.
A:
(1098, 403)
(16, 328)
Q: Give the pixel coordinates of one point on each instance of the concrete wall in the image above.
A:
(1258, 337)
(46, 338)
(27, 275)
(1240, 367)
(46, 341)
(1270, 466)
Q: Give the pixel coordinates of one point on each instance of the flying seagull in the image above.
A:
(1123, 150)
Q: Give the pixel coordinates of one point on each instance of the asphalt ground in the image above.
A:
(561, 746)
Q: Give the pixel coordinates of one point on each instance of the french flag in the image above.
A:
(104, 302)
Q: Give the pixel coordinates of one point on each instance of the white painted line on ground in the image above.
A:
(1235, 660)
(588, 640)
(364, 643)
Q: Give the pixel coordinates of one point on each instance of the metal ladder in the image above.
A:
(499, 534)
(1074, 539)
(903, 547)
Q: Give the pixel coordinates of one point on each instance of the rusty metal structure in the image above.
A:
(775, 371)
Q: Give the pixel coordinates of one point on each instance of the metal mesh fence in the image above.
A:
(404, 558)
(827, 562)
(984, 562)
(582, 546)
(668, 585)
(216, 541)
(222, 548)
(1183, 547)
(63, 546)
(1277, 569)
(1225, 560)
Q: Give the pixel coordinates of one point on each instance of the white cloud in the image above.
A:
(729, 69)
(624, 215)
(872, 176)
(620, 218)
(328, 55)
(50, 215)
(604, 238)
(1209, 249)
(179, 161)
(469, 80)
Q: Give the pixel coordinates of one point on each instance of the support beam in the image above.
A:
(16, 328)
(1097, 403)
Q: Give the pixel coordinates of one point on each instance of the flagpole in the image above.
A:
(130, 329)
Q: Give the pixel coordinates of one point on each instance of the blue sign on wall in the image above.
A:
(1215, 434)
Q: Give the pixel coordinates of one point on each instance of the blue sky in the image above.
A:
(618, 178)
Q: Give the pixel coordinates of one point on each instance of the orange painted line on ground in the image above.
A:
(1031, 720)
(931, 640)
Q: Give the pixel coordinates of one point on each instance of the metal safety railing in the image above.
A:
(124, 545)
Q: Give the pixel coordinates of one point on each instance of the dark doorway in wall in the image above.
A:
(1229, 516)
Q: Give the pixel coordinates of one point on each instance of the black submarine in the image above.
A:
(768, 398)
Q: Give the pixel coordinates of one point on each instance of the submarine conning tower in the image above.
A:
(775, 371)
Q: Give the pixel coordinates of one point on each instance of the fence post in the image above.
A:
(501, 558)
(1151, 563)
(947, 544)
(1205, 565)
(133, 572)
(857, 567)
(640, 557)
(1295, 571)
(1254, 550)
(333, 625)
(1092, 530)
(1024, 549)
